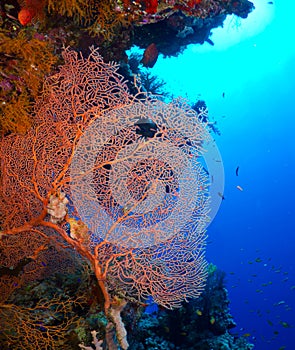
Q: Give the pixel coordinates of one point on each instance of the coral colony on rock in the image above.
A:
(105, 193)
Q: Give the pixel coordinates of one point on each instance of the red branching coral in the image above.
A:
(130, 170)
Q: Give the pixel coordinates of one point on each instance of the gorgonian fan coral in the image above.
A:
(123, 170)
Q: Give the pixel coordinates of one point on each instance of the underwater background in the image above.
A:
(248, 82)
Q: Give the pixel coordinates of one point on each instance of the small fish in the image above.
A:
(258, 260)
(285, 324)
(237, 171)
(199, 312)
(150, 56)
(127, 208)
(221, 195)
(212, 320)
(270, 2)
(223, 94)
(240, 188)
(246, 335)
(209, 41)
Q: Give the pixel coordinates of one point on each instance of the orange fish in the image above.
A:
(150, 56)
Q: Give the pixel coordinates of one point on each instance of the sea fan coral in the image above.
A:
(130, 169)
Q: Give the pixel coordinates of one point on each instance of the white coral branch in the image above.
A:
(57, 207)
(97, 343)
(121, 333)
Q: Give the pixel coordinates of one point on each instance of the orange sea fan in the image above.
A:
(130, 169)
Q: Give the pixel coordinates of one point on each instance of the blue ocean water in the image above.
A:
(248, 82)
